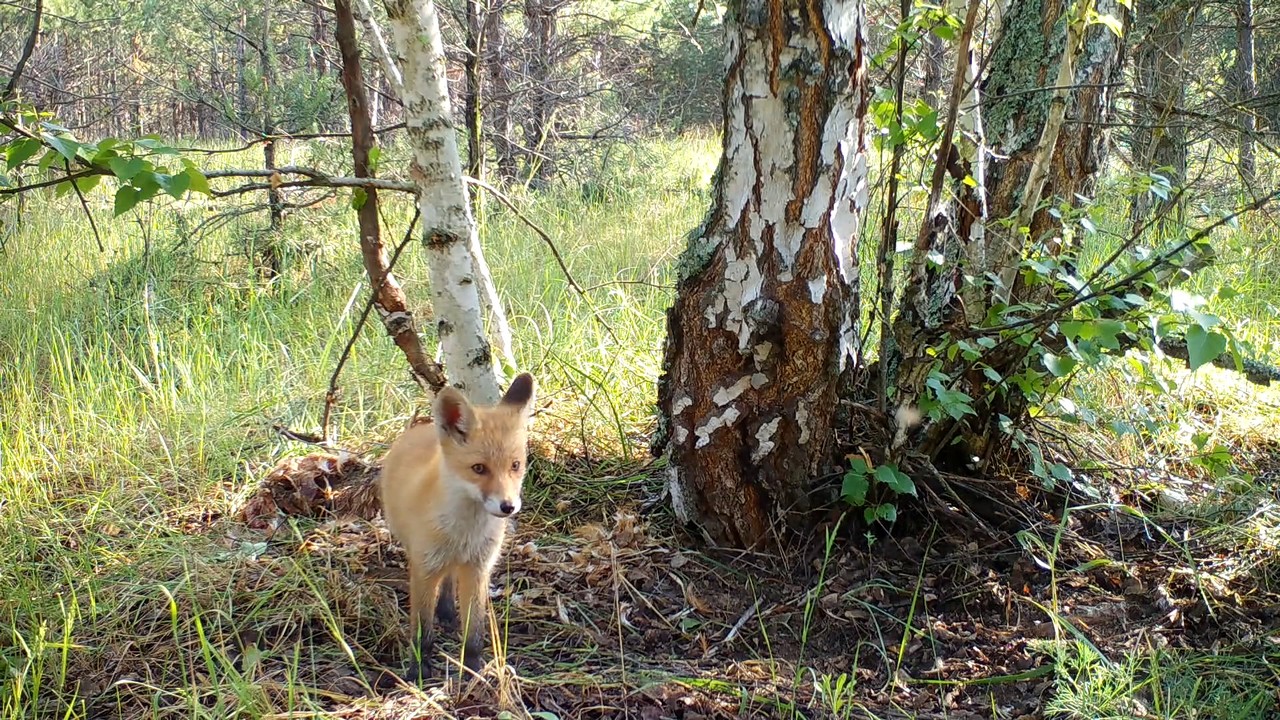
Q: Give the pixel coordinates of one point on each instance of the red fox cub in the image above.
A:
(448, 488)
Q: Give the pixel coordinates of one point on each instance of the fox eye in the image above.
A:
(479, 469)
(515, 465)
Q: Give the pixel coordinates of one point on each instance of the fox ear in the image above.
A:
(521, 394)
(453, 414)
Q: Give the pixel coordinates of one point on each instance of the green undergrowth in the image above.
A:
(139, 384)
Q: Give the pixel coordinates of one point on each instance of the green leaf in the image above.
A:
(887, 512)
(198, 182)
(1060, 366)
(359, 197)
(66, 148)
(854, 489)
(1203, 347)
(22, 151)
(88, 182)
(894, 479)
(46, 161)
(175, 185)
(126, 168)
(1061, 472)
(858, 465)
(126, 198)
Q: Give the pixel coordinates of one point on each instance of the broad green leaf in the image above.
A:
(897, 481)
(858, 465)
(1059, 365)
(359, 197)
(946, 32)
(1061, 472)
(175, 185)
(66, 147)
(126, 198)
(887, 512)
(854, 489)
(197, 181)
(88, 182)
(46, 161)
(1203, 347)
(126, 168)
(22, 151)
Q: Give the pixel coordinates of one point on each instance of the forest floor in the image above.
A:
(605, 613)
(139, 389)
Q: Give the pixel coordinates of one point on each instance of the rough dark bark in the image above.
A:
(540, 30)
(1247, 74)
(471, 103)
(495, 61)
(935, 56)
(763, 328)
(389, 300)
(1160, 81)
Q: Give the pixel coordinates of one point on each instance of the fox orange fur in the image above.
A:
(448, 489)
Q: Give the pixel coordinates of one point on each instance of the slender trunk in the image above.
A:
(390, 68)
(495, 59)
(271, 262)
(540, 28)
(242, 80)
(1248, 78)
(449, 229)
(1032, 158)
(389, 300)
(471, 106)
(763, 328)
(1160, 134)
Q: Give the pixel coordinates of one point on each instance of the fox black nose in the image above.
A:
(506, 507)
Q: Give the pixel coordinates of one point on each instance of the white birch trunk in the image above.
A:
(448, 228)
(492, 302)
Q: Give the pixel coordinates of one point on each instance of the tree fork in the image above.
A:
(388, 297)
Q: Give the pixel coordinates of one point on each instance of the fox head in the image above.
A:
(486, 447)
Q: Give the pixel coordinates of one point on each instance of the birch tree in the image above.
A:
(763, 329)
(763, 335)
(449, 230)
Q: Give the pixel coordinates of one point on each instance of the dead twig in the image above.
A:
(555, 252)
(331, 396)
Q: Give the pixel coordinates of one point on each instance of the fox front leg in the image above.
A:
(446, 608)
(423, 592)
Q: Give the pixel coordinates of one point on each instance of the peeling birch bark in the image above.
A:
(449, 231)
(764, 324)
(490, 299)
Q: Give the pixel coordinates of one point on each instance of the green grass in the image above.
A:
(138, 386)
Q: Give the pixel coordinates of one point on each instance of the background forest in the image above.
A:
(196, 381)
